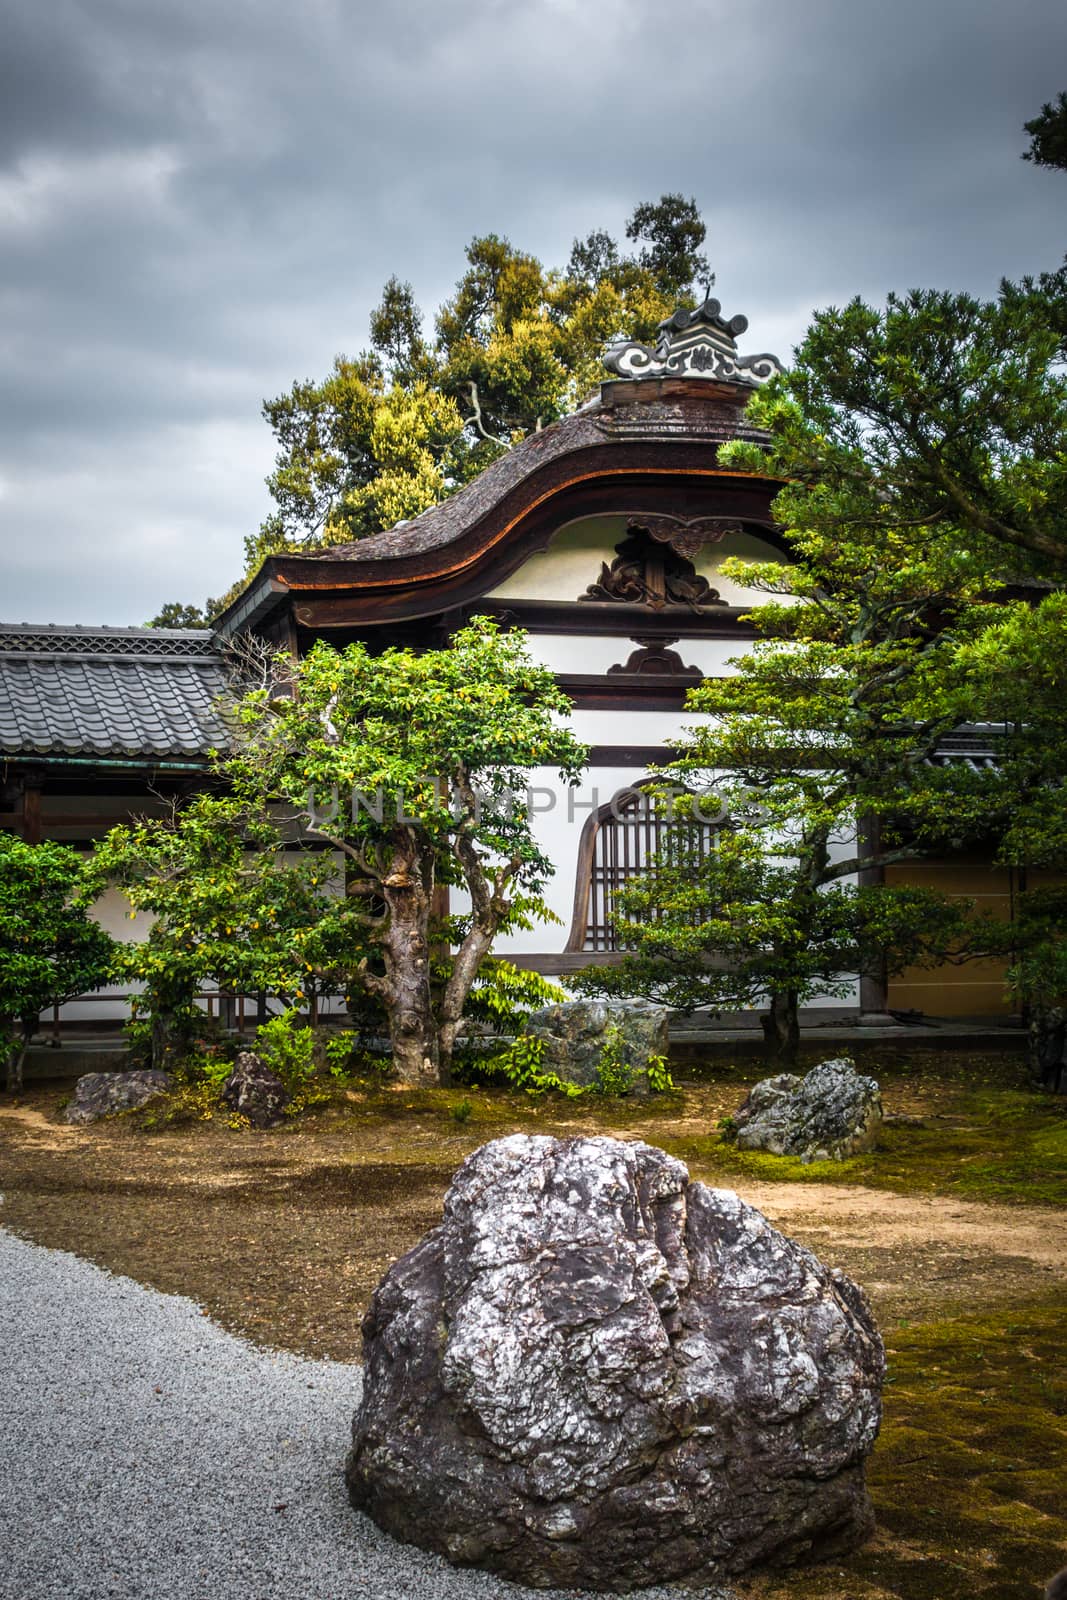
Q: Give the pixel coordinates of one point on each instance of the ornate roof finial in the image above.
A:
(693, 344)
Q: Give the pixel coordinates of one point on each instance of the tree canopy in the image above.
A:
(51, 948)
(231, 906)
(414, 769)
(817, 757)
(419, 413)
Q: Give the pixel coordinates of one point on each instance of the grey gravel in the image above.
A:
(146, 1453)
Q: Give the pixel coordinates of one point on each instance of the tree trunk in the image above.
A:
(465, 963)
(167, 1041)
(406, 947)
(1048, 1047)
(16, 1054)
(781, 1027)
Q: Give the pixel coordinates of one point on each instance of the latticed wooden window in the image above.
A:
(628, 837)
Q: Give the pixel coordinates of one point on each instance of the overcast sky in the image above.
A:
(200, 201)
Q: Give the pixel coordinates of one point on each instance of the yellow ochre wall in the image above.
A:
(976, 988)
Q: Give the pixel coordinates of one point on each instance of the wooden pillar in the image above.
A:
(31, 807)
(874, 985)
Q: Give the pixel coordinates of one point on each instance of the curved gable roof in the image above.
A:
(640, 442)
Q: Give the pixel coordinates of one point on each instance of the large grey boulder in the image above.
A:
(102, 1094)
(255, 1092)
(595, 1373)
(582, 1037)
(829, 1113)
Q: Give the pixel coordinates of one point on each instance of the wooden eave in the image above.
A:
(603, 477)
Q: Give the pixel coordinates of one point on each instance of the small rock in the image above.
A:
(826, 1115)
(102, 1094)
(597, 1374)
(255, 1092)
(582, 1036)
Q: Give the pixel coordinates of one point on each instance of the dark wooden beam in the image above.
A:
(31, 810)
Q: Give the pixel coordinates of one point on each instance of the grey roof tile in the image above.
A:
(111, 692)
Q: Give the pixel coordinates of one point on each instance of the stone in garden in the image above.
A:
(597, 1374)
(102, 1094)
(255, 1092)
(829, 1113)
(580, 1035)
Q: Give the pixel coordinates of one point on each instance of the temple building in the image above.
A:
(602, 536)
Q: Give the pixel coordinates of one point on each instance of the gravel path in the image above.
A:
(146, 1453)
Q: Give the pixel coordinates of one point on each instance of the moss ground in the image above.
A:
(952, 1223)
(967, 1477)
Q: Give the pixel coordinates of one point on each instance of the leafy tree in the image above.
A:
(1016, 672)
(817, 754)
(414, 768)
(357, 455)
(387, 434)
(758, 921)
(941, 413)
(52, 950)
(1048, 135)
(396, 334)
(232, 903)
(673, 231)
(1037, 978)
(404, 424)
(923, 453)
(176, 615)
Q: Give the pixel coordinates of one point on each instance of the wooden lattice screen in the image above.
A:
(626, 842)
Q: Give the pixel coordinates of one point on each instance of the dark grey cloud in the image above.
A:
(199, 203)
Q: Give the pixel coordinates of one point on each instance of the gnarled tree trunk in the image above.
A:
(18, 1038)
(407, 890)
(781, 1026)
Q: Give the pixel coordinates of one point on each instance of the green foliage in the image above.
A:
(414, 768)
(51, 949)
(233, 905)
(338, 1049)
(614, 1076)
(1037, 975)
(659, 1075)
(503, 995)
(176, 615)
(521, 1067)
(615, 1072)
(824, 731)
(286, 1045)
(923, 450)
(1048, 135)
(938, 420)
(461, 1111)
(672, 232)
(1016, 670)
(397, 428)
(357, 455)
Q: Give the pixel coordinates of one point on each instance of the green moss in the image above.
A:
(980, 1138)
(966, 1478)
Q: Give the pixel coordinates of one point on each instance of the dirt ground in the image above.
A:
(282, 1235)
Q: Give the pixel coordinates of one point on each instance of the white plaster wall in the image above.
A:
(573, 560)
(559, 815)
(567, 653)
(634, 727)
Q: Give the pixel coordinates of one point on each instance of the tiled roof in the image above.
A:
(978, 745)
(143, 693)
(653, 421)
